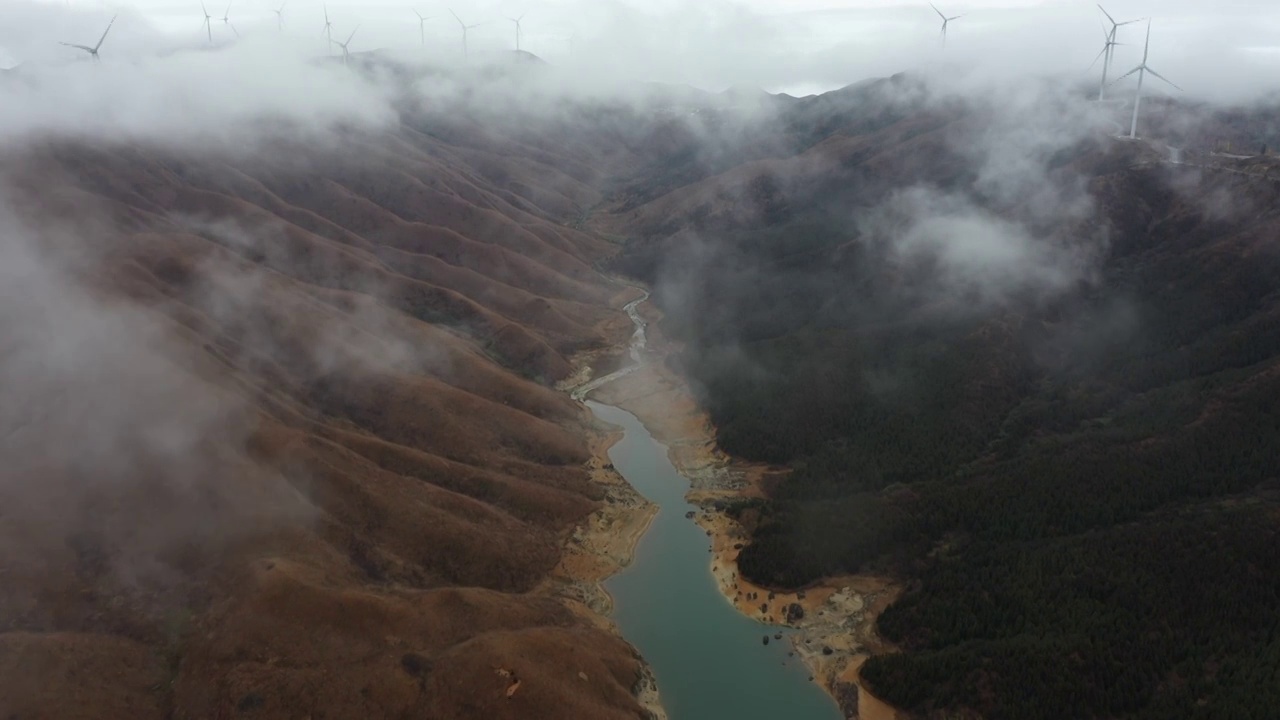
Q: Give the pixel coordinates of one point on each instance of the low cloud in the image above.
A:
(147, 90)
(117, 441)
(348, 332)
(1021, 225)
(971, 254)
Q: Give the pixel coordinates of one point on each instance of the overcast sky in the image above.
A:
(1222, 50)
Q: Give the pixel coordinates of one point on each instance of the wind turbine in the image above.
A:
(1108, 50)
(327, 31)
(226, 20)
(517, 20)
(945, 21)
(93, 51)
(422, 27)
(208, 21)
(1142, 71)
(465, 28)
(280, 16)
(344, 45)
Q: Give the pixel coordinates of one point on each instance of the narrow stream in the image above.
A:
(638, 342)
(710, 661)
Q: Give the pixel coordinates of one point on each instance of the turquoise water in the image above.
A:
(708, 658)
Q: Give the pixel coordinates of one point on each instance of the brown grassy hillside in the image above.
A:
(278, 438)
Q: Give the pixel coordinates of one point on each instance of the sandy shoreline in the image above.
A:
(835, 618)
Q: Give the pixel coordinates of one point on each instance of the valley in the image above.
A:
(836, 627)
(377, 425)
(1025, 375)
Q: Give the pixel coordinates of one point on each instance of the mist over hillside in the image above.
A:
(1023, 365)
(1225, 52)
(278, 427)
(280, 333)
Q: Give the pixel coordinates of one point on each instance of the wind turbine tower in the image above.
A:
(422, 27)
(1108, 50)
(280, 16)
(208, 22)
(1142, 71)
(343, 45)
(328, 29)
(465, 28)
(519, 31)
(93, 51)
(226, 20)
(945, 21)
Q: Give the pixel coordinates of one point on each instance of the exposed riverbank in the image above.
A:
(605, 542)
(710, 660)
(835, 618)
(602, 545)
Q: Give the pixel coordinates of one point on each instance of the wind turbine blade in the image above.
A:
(1104, 12)
(455, 17)
(1147, 48)
(233, 28)
(1095, 60)
(1130, 22)
(954, 18)
(935, 9)
(353, 34)
(415, 12)
(104, 33)
(1153, 72)
(1140, 67)
(82, 47)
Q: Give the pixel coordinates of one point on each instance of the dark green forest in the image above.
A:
(1081, 492)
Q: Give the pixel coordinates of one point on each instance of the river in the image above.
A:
(709, 660)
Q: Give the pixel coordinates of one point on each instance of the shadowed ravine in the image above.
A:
(709, 660)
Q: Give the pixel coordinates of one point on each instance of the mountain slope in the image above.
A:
(1025, 368)
(278, 434)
